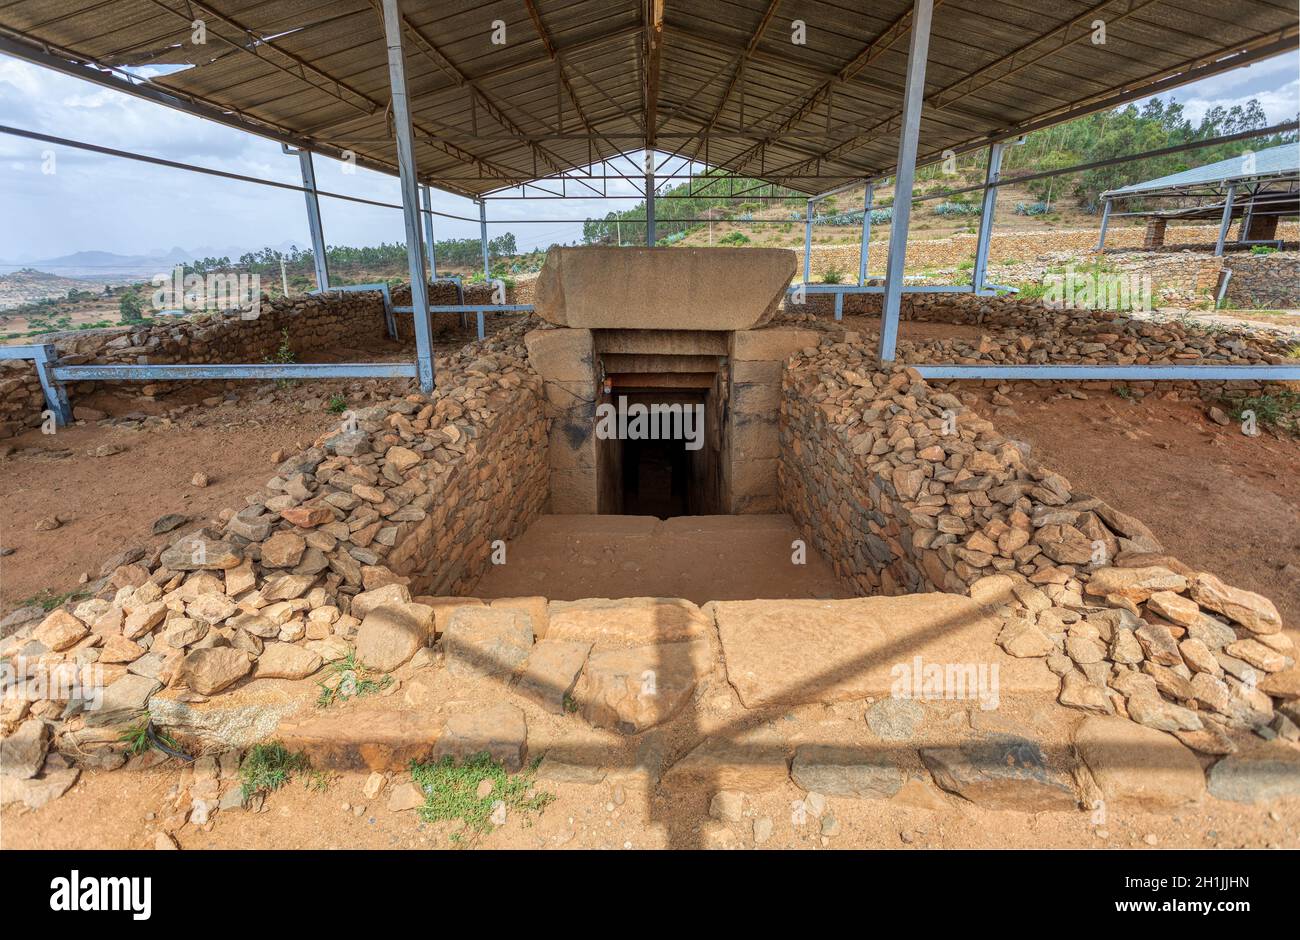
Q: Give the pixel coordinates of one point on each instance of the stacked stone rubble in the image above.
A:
(1010, 246)
(1028, 332)
(903, 490)
(407, 495)
(303, 323)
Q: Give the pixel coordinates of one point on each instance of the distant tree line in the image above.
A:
(707, 196)
(451, 252)
(1127, 131)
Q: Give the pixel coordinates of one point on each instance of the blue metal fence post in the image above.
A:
(1105, 220)
(991, 174)
(56, 396)
(314, 227)
(1226, 222)
(867, 199)
(401, 110)
(909, 129)
(649, 199)
(487, 268)
(807, 242)
(428, 233)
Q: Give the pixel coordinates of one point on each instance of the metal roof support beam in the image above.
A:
(1105, 220)
(430, 244)
(1227, 219)
(313, 216)
(909, 131)
(991, 174)
(654, 41)
(410, 193)
(867, 199)
(805, 106)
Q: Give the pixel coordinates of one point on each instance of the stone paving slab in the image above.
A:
(799, 651)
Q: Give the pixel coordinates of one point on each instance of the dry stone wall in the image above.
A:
(1005, 247)
(340, 552)
(21, 400)
(903, 490)
(1026, 332)
(1265, 281)
(306, 323)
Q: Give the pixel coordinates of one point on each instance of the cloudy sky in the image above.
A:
(107, 203)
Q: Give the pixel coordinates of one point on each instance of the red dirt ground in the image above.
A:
(1217, 499)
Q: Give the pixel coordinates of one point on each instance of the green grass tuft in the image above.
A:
(270, 766)
(1277, 410)
(451, 791)
(346, 679)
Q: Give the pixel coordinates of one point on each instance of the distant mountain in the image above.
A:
(102, 265)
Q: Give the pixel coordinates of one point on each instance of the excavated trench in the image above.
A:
(723, 556)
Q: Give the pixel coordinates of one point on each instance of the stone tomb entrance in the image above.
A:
(662, 382)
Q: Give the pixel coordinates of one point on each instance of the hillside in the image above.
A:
(28, 285)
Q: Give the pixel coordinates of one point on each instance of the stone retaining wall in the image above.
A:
(21, 399)
(405, 500)
(1264, 281)
(308, 323)
(904, 491)
(1019, 331)
(1005, 247)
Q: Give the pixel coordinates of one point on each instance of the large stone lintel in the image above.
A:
(662, 288)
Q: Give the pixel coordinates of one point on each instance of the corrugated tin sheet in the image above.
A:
(1275, 162)
(573, 81)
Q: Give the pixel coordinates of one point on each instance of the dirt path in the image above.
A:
(130, 807)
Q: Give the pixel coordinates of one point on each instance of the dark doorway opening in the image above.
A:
(656, 479)
(668, 472)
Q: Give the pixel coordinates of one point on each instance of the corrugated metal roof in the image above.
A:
(579, 80)
(1274, 163)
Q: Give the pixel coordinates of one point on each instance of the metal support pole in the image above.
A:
(314, 227)
(649, 201)
(56, 396)
(1105, 219)
(401, 111)
(429, 244)
(867, 200)
(487, 268)
(991, 175)
(807, 243)
(1227, 219)
(909, 130)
